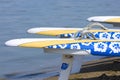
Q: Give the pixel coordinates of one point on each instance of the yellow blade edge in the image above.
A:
(114, 20)
(42, 44)
(56, 32)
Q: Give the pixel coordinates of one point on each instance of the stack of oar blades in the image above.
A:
(87, 41)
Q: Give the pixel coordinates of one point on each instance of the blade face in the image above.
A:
(53, 31)
(95, 48)
(107, 19)
(69, 32)
(17, 42)
(103, 34)
(42, 42)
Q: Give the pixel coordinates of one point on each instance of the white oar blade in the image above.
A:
(14, 42)
(18, 42)
(39, 42)
(105, 19)
(52, 31)
(29, 42)
(44, 42)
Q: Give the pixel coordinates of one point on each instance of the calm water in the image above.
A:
(16, 16)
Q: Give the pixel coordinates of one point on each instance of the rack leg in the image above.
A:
(77, 62)
(67, 61)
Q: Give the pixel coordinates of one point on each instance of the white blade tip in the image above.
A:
(12, 42)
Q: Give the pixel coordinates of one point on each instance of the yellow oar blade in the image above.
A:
(59, 31)
(38, 43)
(41, 43)
(53, 31)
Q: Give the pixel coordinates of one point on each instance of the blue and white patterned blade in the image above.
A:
(94, 48)
(98, 35)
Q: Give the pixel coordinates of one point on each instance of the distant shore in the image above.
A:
(102, 69)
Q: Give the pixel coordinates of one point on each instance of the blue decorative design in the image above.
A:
(69, 35)
(99, 35)
(75, 46)
(105, 35)
(100, 47)
(95, 48)
(118, 36)
(78, 35)
(64, 66)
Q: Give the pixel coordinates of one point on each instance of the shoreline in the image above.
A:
(102, 69)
